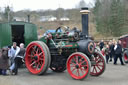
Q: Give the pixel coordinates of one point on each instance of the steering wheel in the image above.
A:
(62, 29)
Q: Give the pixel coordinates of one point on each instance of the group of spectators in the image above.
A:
(112, 50)
(11, 57)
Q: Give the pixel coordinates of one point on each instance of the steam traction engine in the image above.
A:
(66, 49)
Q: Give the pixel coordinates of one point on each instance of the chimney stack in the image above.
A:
(28, 18)
(84, 11)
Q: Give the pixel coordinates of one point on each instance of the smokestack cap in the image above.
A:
(84, 10)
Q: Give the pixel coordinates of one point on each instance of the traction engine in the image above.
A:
(68, 49)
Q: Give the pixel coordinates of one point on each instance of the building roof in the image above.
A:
(13, 22)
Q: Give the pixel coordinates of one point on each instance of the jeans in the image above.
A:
(17, 61)
(12, 67)
(2, 71)
(107, 58)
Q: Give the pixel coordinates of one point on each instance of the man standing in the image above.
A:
(13, 53)
(18, 59)
(118, 53)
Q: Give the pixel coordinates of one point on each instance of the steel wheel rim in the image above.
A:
(125, 57)
(98, 68)
(34, 51)
(83, 66)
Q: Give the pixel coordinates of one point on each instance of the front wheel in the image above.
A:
(99, 65)
(78, 65)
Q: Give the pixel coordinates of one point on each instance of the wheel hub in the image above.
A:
(36, 57)
(77, 66)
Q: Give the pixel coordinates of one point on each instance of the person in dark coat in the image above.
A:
(112, 52)
(101, 45)
(19, 58)
(4, 61)
(118, 53)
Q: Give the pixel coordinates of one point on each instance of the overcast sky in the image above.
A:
(40, 4)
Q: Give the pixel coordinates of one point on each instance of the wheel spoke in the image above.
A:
(73, 69)
(82, 70)
(30, 55)
(82, 62)
(37, 67)
(41, 62)
(78, 72)
(37, 50)
(40, 53)
(99, 62)
(96, 58)
(99, 68)
(95, 69)
(83, 65)
(33, 53)
(32, 60)
(99, 65)
(77, 61)
(41, 59)
(74, 60)
(34, 49)
(33, 63)
(72, 65)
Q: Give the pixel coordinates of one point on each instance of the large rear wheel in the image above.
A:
(37, 59)
(99, 65)
(78, 65)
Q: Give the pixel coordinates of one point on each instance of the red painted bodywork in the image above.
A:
(68, 45)
(124, 40)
